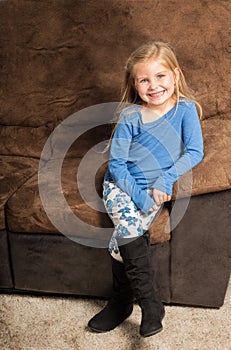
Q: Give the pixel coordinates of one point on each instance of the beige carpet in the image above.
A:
(58, 323)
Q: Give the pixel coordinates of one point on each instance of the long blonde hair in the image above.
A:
(164, 53)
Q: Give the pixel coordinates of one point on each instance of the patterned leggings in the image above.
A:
(128, 220)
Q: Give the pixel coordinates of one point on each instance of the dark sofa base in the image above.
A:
(53, 263)
(5, 262)
(200, 251)
(49, 263)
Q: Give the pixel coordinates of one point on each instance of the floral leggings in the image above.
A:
(128, 220)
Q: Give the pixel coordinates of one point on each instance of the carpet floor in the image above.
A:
(59, 323)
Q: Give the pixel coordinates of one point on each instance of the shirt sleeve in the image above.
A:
(119, 152)
(192, 151)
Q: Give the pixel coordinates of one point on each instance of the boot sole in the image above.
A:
(96, 330)
(152, 333)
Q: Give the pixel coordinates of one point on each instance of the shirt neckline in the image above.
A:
(159, 120)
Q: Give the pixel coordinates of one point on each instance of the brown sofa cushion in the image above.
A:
(25, 212)
(14, 171)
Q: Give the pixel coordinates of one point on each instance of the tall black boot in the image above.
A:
(136, 258)
(119, 307)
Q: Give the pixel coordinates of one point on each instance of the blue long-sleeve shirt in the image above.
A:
(154, 154)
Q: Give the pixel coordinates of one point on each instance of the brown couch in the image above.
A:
(60, 57)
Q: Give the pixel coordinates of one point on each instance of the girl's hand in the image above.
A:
(159, 197)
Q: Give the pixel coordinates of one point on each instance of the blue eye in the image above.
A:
(160, 76)
(143, 80)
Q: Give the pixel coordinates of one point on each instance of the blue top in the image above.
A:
(154, 154)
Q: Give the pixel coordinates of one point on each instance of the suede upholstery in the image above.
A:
(58, 57)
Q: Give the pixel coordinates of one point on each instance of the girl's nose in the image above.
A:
(152, 83)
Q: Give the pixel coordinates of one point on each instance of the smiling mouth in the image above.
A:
(157, 94)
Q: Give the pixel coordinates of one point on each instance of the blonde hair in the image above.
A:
(164, 53)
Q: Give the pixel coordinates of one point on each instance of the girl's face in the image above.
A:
(155, 84)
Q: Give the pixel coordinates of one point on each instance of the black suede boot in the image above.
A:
(119, 307)
(136, 257)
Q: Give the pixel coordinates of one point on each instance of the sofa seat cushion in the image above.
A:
(72, 216)
(14, 171)
(213, 174)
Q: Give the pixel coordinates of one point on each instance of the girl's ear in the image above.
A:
(176, 74)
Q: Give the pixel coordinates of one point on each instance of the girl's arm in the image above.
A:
(192, 155)
(117, 166)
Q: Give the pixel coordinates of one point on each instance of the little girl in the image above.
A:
(157, 139)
